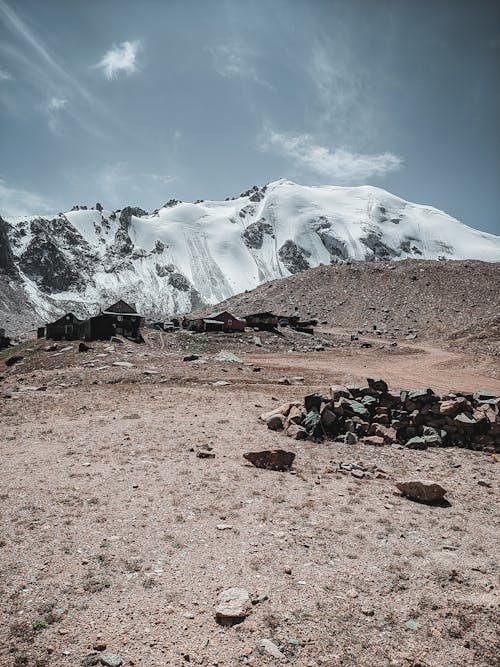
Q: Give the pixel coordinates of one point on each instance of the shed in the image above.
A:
(67, 327)
(263, 321)
(230, 322)
(121, 318)
(4, 340)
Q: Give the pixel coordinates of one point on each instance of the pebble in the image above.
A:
(111, 660)
(267, 647)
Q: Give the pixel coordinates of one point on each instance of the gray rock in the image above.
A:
(276, 422)
(227, 356)
(233, 606)
(350, 438)
(267, 647)
(416, 443)
(111, 660)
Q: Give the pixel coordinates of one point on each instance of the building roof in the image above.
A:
(61, 319)
(266, 314)
(121, 307)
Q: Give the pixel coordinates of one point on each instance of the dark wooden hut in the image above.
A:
(120, 319)
(67, 327)
(4, 340)
(262, 321)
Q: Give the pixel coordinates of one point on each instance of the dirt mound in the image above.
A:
(398, 299)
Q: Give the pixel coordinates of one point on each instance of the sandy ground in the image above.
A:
(109, 520)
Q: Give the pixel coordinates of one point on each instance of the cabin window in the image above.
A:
(68, 328)
(119, 318)
(230, 321)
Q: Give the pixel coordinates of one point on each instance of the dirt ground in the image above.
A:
(109, 522)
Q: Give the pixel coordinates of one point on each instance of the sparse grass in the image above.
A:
(16, 349)
(40, 624)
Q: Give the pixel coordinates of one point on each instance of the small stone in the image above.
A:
(350, 438)
(484, 482)
(224, 526)
(287, 570)
(267, 647)
(111, 660)
(99, 646)
(233, 606)
(374, 440)
(122, 364)
(190, 357)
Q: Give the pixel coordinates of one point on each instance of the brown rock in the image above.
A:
(296, 432)
(338, 391)
(386, 432)
(295, 415)
(424, 490)
(277, 459)
(375, 440)
(282, 410)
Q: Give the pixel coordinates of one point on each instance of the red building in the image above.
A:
(222, 321)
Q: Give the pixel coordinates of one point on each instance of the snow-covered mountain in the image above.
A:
(187, 254)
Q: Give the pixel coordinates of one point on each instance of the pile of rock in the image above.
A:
(377, 415)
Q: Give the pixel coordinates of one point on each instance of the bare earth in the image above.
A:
(109, 520)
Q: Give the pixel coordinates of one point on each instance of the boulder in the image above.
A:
(13, 360)
(378, 384)
(233, 606)
(296, 432)
(276, 422)
(312, 402)
(338, 391)
(277, 459)
(295, 415)
(416, 443)
(387, 432)
(423, 490)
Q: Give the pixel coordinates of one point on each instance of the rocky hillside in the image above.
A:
(427, 298)
(183, 255)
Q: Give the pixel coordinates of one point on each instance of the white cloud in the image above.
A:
(16, 201)
(235, 62)
(4, 75)
(53, 109)
(338, 165)
(121, 58)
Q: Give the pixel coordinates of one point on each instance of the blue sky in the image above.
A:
(138, 102)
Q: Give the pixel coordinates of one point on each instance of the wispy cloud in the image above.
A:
(53, 109)
(4, 75)
(46, 76)
(120, 59)
(236, 62)
(346, 96)
(338, 165)
(16, 201)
